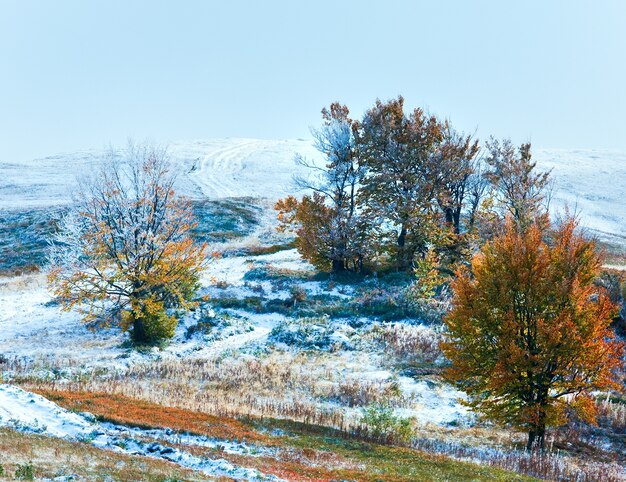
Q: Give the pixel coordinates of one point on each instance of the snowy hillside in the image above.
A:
(217, 168)
(588, 181)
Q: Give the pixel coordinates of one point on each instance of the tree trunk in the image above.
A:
(338, 266)
(537, 435)
(456, 219)
(402, 255)
(138, 334)
(531, 440)
(139, 330)
(536, 438)
(449, 214)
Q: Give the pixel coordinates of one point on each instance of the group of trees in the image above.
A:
(528, 337)
(397, 185)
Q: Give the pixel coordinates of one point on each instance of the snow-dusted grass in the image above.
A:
(33, 327)
(33, 413)
(61, 460)
(591, 183)
(225, 361)
(214, 168)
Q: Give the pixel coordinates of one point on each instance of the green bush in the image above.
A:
(383, 426)
(25, 472)
(156, 325)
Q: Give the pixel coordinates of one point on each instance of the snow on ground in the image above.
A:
(32, 413)
(28, 411)
(591, 182)
(215, 168)
(32, 326)
(434, 402)
(427, 400)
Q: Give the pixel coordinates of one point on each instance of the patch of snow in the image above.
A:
(591, 182)
(31, 325)
(214, 168)
(22, 409)
(434, 402)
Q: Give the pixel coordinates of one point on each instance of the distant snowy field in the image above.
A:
(590, 182)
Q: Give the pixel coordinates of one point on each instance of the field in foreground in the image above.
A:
(283, 373)
(294, 451)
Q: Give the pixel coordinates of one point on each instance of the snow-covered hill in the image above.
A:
(590, 182)
(216, 168)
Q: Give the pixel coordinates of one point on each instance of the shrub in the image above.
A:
(297, 294)
(382, 425)
(157, 325)
(309, 333)
(25, 471)
(408, 343)
(360, 393)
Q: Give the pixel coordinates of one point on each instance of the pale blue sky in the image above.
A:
(79, 74)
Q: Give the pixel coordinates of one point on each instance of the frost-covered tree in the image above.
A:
(400, 153)
(124, 250)
(329, 230)
(459, 174)
(521, 190)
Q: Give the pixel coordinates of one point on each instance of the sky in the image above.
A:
(88, 74)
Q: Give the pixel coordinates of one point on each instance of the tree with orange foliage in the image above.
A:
(310, 218)
(124, 252)
(529, 335)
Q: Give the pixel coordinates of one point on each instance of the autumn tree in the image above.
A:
(124, 252)
(522, 191)
(528, 335)
(400, 153)
(329, 231)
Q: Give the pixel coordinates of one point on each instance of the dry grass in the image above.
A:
(301, 464)
(280, 385)
(613, 412)
(292, 464)
(304, 453)
(53, 457)
(408, 343)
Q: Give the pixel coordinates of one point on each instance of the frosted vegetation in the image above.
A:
(270, 336)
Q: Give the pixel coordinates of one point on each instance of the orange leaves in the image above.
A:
(311, 220)
(529, 332)
(287, 212)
